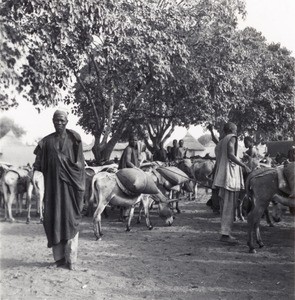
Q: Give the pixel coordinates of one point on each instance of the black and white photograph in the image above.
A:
(147, 149)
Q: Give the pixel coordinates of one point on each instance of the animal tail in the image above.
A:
(93, 197)
(249, 199)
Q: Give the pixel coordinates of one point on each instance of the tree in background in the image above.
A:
(127, 46)
(245, 80)
(146, 65)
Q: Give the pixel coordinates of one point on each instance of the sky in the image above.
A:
(274, 18)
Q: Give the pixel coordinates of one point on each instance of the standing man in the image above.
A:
(228, 178)
(181, 150)
(160, 153)
(174, 151)
(251, 150)
(129, 158)
(59, 156)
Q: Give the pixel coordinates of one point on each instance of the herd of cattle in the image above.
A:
(173, 183)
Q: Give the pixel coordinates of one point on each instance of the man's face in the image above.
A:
(247, 144)
(133, 142)
(60, 123)
(181, 143)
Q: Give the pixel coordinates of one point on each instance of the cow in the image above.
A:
(105, 190)
(15, 183)
(262, 186)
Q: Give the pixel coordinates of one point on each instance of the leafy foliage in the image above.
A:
(128, 65)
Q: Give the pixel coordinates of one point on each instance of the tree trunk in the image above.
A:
(102, 151)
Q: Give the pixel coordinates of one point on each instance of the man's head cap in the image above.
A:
(133, 136)
(61, 112)
(229, 127)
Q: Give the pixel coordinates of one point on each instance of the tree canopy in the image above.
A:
(128, 65)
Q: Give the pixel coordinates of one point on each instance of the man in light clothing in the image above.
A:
(228, 179)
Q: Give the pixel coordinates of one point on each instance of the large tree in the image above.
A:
(245, 79)
(109, 52)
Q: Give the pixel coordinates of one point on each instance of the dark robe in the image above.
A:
(62, 165)
(134, 157)
(160, 155)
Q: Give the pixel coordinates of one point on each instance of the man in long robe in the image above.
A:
(59, 156)
(228, 178)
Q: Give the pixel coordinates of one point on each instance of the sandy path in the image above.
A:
(185, 261)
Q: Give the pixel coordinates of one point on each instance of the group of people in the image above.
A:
(59, 156)
(174, 153)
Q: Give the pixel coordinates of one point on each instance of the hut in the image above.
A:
(116, 153)
(193, 146)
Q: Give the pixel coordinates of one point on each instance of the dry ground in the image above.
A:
(185, 261)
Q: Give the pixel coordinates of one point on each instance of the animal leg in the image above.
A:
(258, 236)
(139, 213)
(196, 191)
(131, 214)
(239, 213)
(19, 203)
(97, 221)
(145, 203)
(29, 202)
(9, 207)
(250, 242)
(176, 203)
(268, 218)
(11, 197)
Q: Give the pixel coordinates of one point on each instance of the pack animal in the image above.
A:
(262, 186)
(105, 190)
(15, 183)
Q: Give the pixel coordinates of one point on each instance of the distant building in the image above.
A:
(117, 152)
(193, 146)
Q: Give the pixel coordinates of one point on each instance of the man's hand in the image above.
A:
(247, 169)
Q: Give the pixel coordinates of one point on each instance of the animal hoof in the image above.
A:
(252, 250)
(12, 220)
(151, 227)
(261, 245)
(178, 211)
(28, 221)
(128, 229)
(41, 221)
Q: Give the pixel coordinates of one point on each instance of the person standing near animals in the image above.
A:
(228, 178)
(174, 151)
(251, 150)
(59, 156)
(129, 158)
(181, 149)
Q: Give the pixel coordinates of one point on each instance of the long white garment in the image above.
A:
(67, 250)
(227, 208)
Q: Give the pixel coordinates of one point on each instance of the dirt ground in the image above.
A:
(184, 261)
